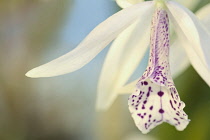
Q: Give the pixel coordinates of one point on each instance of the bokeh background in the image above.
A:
(33, 32)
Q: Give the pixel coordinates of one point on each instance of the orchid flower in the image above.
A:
(155, 99)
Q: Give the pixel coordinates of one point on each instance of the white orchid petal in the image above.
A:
(201, 69)
(99, 38)
(196, 62)
(186, 23)
(122, 59)
(203, 12)
(191, 4)
(179, 61)
(127, 3)
(128, 88)
(152, 104)
(204, 15)
(123, 3)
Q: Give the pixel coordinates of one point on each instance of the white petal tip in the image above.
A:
(35, 73)
(31, 74)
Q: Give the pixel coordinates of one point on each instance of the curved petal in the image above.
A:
(203, 12)
(204, 15)
(196, 62)
(201, 69)
(186, 23)
(122, 60)
(127, 3)
(99, 38)
(191, 4)
(179, 61)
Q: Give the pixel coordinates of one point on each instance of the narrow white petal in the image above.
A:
(203, 12)
(99, 38)
(196, 62)
(127, 3)
(185, 22)
(201, 68)
(123, 3)
(191, 4)
(179, 61)
(122, 59)
(204, 15)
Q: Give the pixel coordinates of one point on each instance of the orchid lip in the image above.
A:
(156, 99)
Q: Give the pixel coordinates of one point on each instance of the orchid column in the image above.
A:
(156, 99)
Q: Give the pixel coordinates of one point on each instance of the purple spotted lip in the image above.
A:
(156, 99)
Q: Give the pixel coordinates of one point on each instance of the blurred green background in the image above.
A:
(33, 32)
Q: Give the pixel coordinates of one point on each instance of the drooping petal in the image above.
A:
(122, 59)
(179, 61)
(99, 38)
(191, 4)
(151, 105)
(186, 23)
(196, 62)
(194, 58)
(127, 3)
(204, 15)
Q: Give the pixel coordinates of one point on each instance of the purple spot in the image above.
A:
(176, 119)
(172, 105)
(161, 111)
(160, 93)
(145, 83)
(146, 125)
(151, 107)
